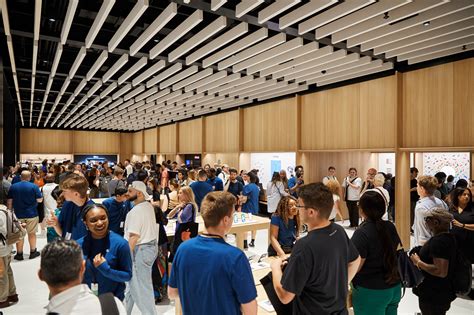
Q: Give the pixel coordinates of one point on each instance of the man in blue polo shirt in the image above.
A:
(23, 197)
(118, 207)
(69, 224)
(200, 188)
(223, 283)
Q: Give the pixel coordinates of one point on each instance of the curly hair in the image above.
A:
(283, 211)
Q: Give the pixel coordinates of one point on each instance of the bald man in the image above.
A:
(23, 197)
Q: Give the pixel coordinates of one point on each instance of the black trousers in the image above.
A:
(430, 308)
(353, 213)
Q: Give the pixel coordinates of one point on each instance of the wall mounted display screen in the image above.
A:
(267, 163)
(457, 164)
(93, 159)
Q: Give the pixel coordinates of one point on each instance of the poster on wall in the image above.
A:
(457, 164)
(95, 159)
(267, 163)
(387, 163)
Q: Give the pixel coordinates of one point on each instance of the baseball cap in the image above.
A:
(140, 186)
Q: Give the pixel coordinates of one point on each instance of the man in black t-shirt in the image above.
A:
(322, 264)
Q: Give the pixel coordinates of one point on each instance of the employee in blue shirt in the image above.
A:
(295, 182)
(107, 254)
(214, 181)
(118, 207)
(23, 197)
(208, 275)
(250, 202)
(69, 223)
(200, 187)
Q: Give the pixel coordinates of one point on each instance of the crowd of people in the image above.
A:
(117, 247)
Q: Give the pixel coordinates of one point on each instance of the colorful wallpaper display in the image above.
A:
(456, 164)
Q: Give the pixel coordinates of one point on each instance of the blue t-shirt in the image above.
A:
(200, 190)
(71, 221)
(252, 192)
(187, 215)
(235, 188)
(24, 195)
(216, 183)
(212, 276)
(292, 183)
(17, 179)
(286, 234)
(117, 213)
(112, 274)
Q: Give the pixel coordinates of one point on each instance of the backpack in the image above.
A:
(104, 185)
(461, 269)
(15, 231)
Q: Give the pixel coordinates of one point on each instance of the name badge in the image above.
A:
(68, 236)
(122, 224)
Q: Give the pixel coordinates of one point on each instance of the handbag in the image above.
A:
(280, 308)
(410, 275)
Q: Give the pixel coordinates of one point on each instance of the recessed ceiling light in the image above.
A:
(323, 72)
(156, 40)
(52, 20)
(427, 23)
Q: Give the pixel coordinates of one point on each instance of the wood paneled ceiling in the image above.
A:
(130, 65)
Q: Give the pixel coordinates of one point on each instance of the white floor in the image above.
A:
(33, 293)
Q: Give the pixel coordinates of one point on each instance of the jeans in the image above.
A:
(140, 288)
(353, 212)
(376, 302)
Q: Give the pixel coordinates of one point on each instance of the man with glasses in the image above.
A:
(369, 180)
(322, 264)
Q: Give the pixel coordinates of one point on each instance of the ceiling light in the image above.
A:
(155, 40)
(98, 21)
(52, 20)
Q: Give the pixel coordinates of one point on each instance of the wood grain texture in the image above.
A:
(231, 159)
(46, 141)
(428, 107)
(190, 136)
(343, 115)
(167, 142)
(222, 133)
(463, 102)
(314, 121)
(402, 196)
(137, 143)
(150, 141)
(270, 127)
(378, 103)
(90, 142)
(126, 146)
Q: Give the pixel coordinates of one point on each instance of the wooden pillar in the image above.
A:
(402, 196)
(402, 173)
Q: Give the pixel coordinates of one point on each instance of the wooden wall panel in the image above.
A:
(126, 146)
(167, 142)
(89, 142)
(378, 103)
(46, 141)
(190, 136)
(270, 127)
(314, 121)
(222, 132)
(463, 102)
(137, 148)
(428, 107)
(231, 159)
(150, 141)
(343, 115)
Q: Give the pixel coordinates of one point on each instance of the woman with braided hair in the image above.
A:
(284, 228)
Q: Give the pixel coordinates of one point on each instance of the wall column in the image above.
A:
(402, 196)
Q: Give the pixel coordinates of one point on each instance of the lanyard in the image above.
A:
(212, 235)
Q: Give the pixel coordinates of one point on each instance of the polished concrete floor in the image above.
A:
(33, 293)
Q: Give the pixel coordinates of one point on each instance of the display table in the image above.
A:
(98, 200)
(239, 229)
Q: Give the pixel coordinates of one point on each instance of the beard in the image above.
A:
(132, 198)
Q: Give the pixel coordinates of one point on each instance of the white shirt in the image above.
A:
(141, 220)
(423, 208)
(129, 169)
(224, 177)
(49, 203)
(274, 194)
(78, 300)
(333, 214)
(352, 193)
(326, 179)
